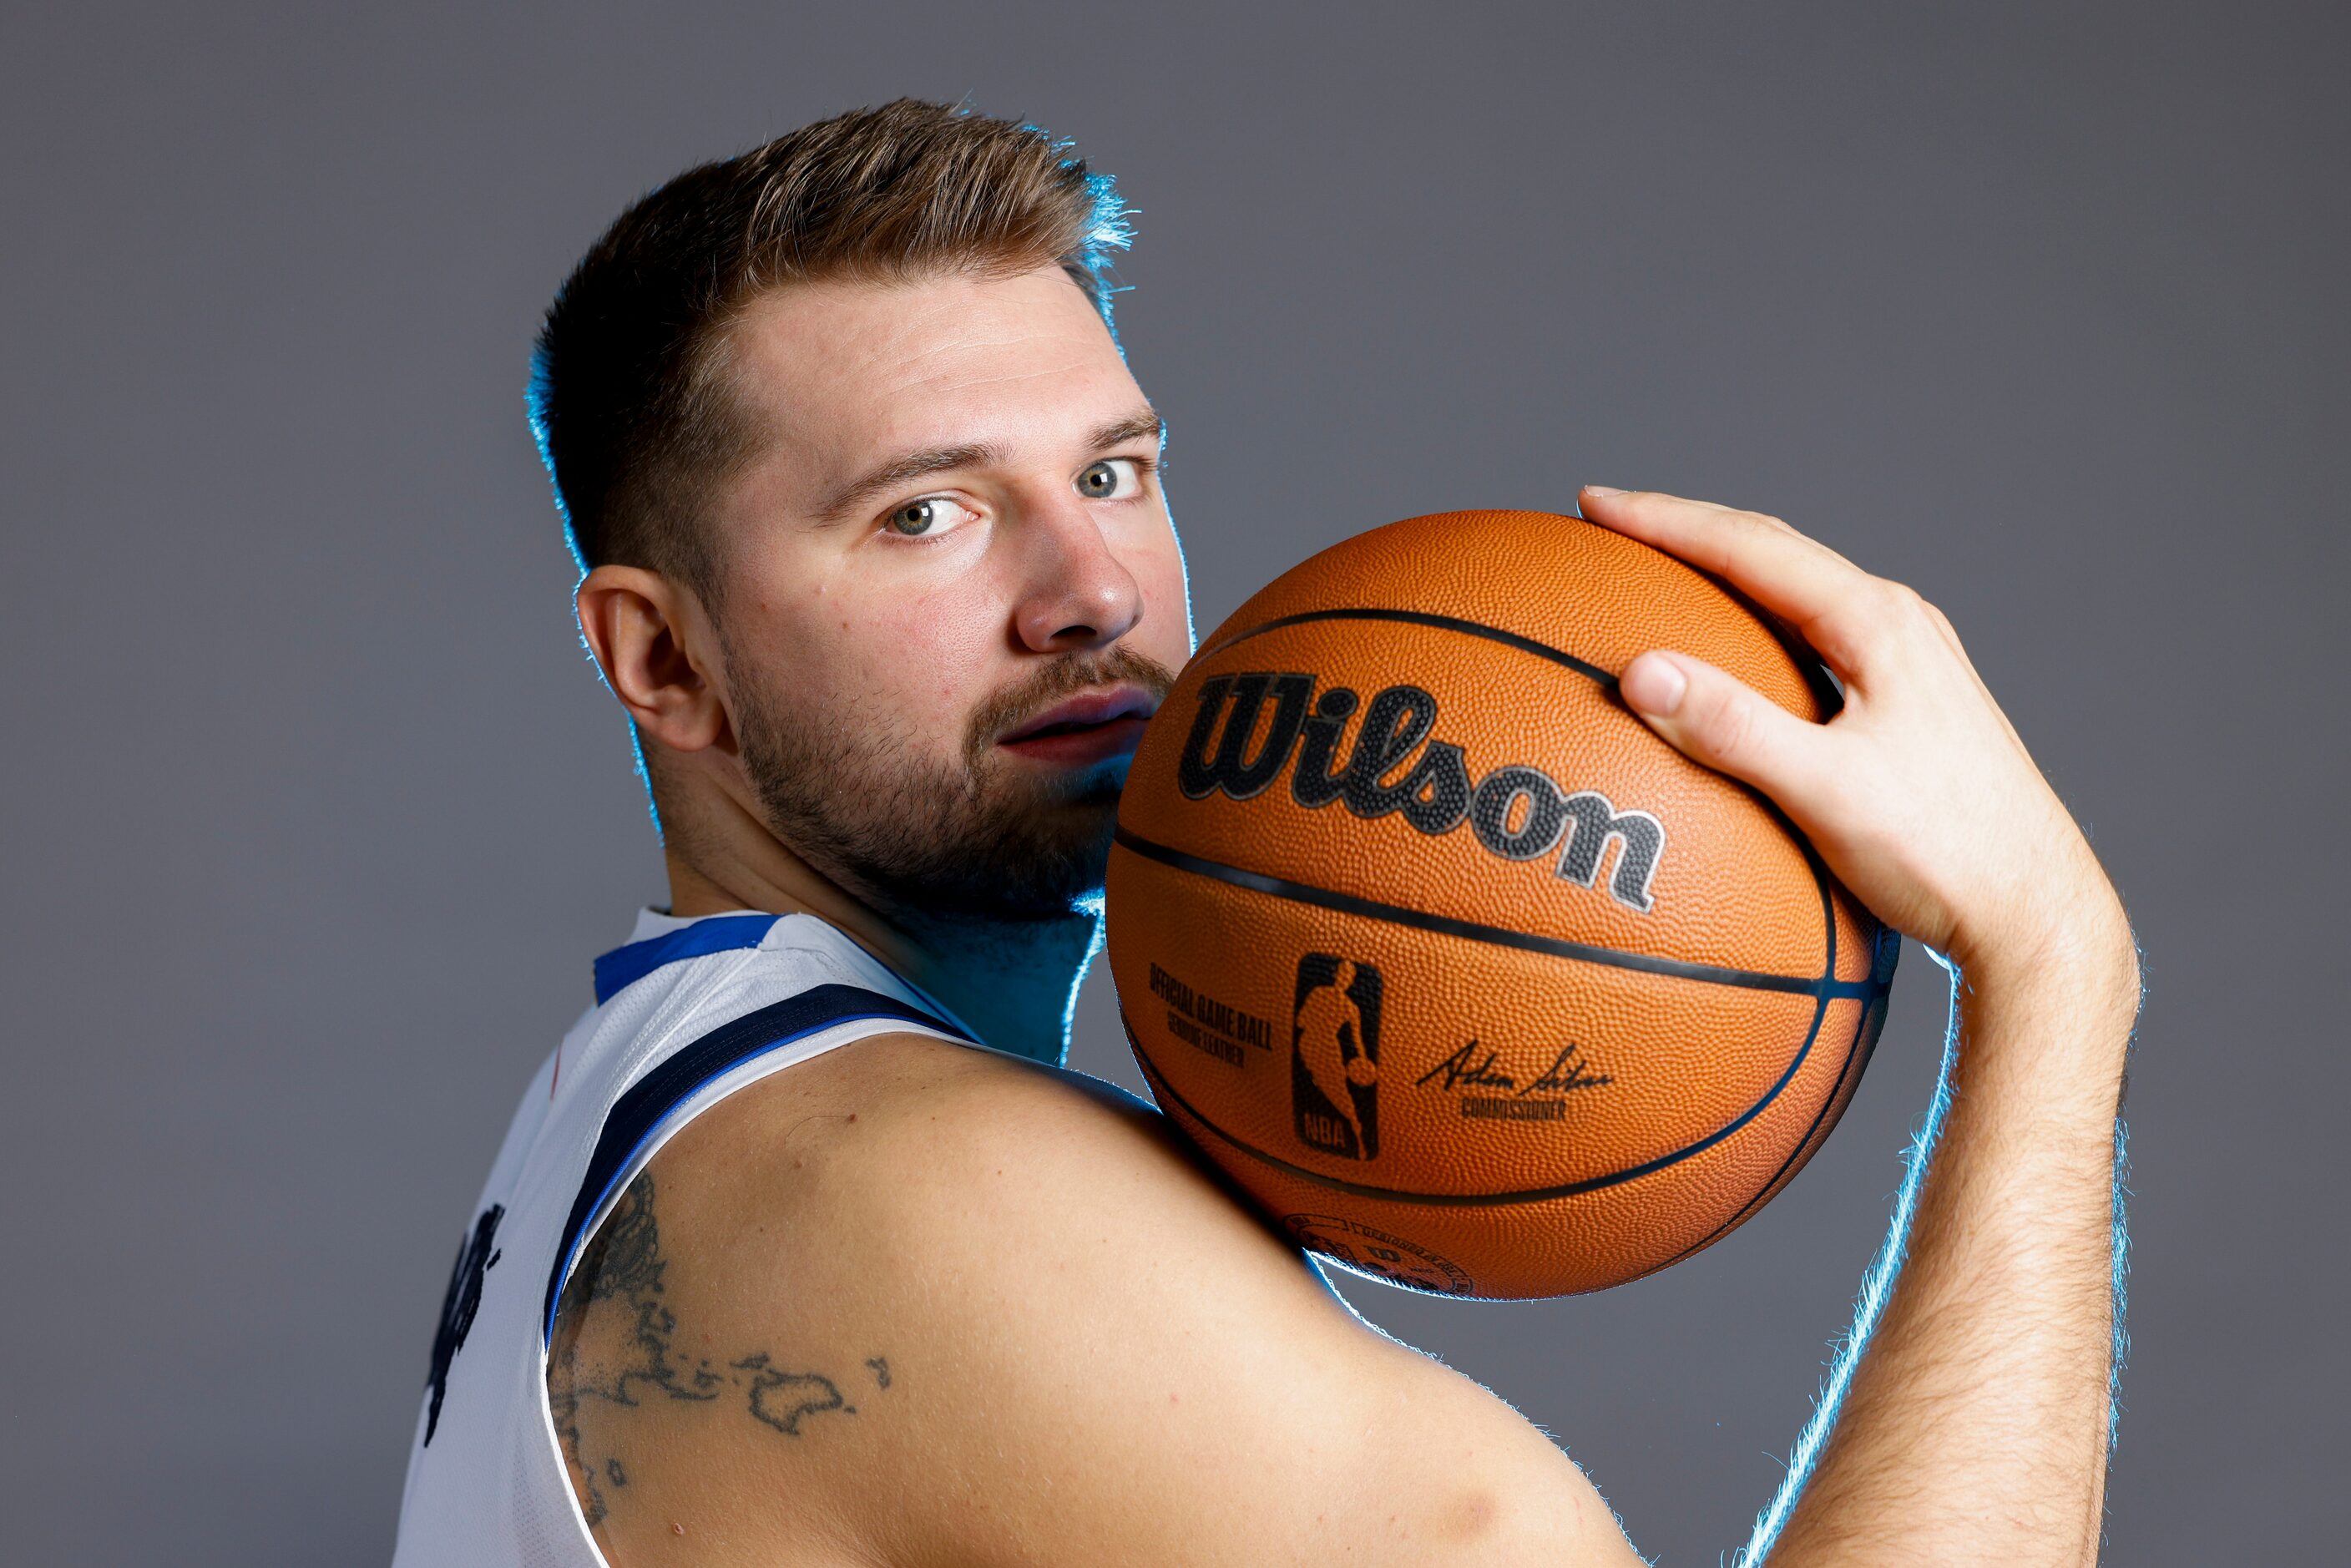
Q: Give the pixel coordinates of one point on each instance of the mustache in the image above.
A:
(1064, 677)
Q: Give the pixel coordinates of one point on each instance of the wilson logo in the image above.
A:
(1250, 728)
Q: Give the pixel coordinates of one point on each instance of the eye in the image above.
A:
(931, 515)
(1112, 479)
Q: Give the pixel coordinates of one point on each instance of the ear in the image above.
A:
(651, 639)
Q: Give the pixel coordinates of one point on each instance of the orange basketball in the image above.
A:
(1473, 982)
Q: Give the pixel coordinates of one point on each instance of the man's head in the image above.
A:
(866, 497)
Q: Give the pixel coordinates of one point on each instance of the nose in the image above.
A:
(1079, 595)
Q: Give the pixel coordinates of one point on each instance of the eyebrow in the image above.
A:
(903, 469)
(1140, 425)
(913, 466)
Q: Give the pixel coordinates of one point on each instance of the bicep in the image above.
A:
(1107, 1360)
(1001, 1320)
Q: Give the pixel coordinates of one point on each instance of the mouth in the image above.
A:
(1093, 727)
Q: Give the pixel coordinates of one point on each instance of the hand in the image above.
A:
(1920, 795)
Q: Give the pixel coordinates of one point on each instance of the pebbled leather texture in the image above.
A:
(1476, 985)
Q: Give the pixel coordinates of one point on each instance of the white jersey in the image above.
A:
(687, 1013)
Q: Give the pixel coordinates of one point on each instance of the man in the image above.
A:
(780, 1264)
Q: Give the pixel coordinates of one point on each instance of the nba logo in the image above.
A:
(1334, 1056)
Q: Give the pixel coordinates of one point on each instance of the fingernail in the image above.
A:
(1604, 491)
(1654, 685)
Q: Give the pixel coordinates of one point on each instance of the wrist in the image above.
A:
(2083, 954)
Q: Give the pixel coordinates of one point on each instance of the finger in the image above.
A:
(1714, 718)
(1818, 593)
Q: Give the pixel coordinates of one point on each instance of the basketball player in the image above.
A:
(802, 1250)
(1329, 1032)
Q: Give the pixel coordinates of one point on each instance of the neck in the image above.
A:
(1012, 981)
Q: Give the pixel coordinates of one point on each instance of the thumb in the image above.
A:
(1715, 719)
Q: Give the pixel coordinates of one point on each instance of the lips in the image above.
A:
(1084, 728)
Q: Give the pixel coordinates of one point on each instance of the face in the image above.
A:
(951, 593)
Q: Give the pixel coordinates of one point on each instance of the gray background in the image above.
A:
(314, 815)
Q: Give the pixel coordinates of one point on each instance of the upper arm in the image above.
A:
(962, 1309)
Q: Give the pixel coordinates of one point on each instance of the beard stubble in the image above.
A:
(981, 837)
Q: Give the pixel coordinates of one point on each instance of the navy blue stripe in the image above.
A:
(1477, 931)
(624, 967)
(1159, 1086)
(648, 1103)
(1584, 667)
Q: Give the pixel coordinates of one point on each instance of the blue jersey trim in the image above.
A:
(624, 967)
(650, 1101)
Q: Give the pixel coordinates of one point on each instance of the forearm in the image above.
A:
(1975, 1427)
(1969, 1414)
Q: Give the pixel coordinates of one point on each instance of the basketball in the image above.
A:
(1465, 976)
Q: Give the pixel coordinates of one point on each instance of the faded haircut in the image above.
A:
(627, 394)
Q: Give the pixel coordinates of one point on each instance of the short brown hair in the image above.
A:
(631, 417)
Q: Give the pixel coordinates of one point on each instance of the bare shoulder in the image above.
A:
(911, 1301)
